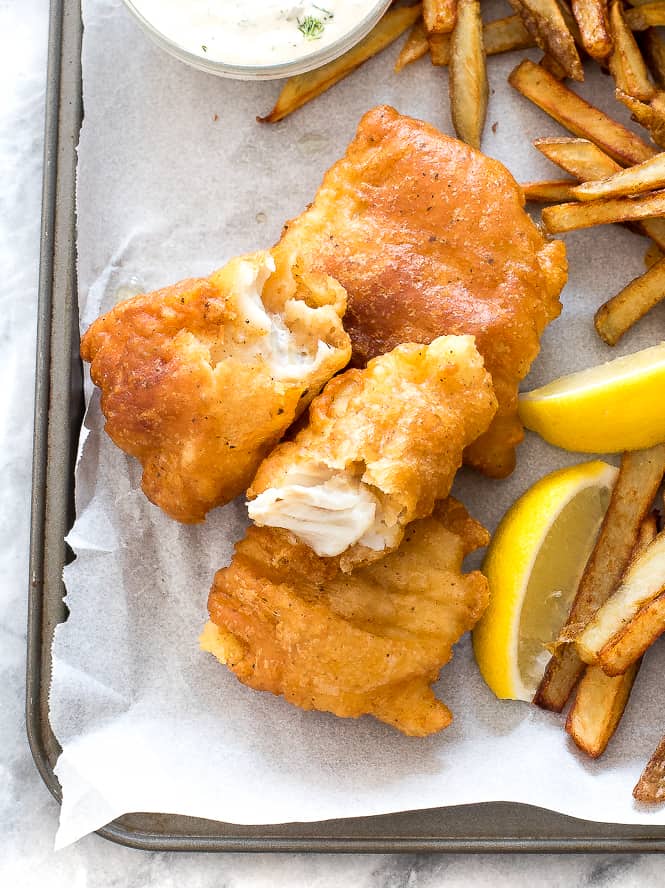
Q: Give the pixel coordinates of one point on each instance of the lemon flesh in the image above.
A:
(534, 564)
(606, 409)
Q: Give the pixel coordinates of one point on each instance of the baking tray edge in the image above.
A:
(58, 410)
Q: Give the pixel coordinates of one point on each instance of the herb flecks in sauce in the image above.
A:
(311, 27)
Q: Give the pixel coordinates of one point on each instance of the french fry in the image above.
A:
(579, 157)
(639, 478)
(501, 35)
(439, 16)
(599, 703)
(578, 116)
(468, 75)
(600, 699)
(651, 115)
(651, 785)
(640, 475)
(505, 35)
(634, 609)
(653, 48)
(416, 46)
(573, 216)
(647, 176)
(648, 533)
(627, 66)
(439, 49)
(646, 15)
(591, 17)
(652, 255)
(632, 641)
(552, 67)
(549, 191)
(302, 88)
(625, 309)
(655, 229)
(571, 22)
(586, 161)
(544, 21)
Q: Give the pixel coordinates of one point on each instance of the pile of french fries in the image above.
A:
(617, 614)
(618, 178)
(615, 177)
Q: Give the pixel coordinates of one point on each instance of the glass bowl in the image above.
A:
(273, 71)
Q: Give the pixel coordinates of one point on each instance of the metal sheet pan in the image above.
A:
(58, 412)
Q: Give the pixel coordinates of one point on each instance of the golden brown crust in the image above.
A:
(429, 237)
(369, 642)
(400, 425)
(185, 391)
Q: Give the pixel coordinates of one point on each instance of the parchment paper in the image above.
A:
(175, 177)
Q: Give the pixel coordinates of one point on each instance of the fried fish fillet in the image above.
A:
(429, 237)
(370, 642)
(382, 445)
(201, 379)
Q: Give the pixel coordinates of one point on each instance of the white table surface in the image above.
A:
(28, 815)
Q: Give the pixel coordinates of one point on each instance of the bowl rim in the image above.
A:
(299, 65)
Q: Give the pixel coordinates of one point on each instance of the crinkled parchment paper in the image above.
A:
(175, 177)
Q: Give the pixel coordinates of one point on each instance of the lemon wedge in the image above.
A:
(607, 409)
(534, 564)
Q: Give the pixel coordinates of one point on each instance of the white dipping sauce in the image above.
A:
(253, 32)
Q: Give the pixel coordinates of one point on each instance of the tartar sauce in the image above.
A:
(253, 32)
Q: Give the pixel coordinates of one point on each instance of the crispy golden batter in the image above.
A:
(382, 445)
(370, 642)
(428, 236)
(200, 380)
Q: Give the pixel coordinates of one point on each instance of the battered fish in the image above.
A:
(429, 237)
(371, 642)
(201, 379)
(382, 445)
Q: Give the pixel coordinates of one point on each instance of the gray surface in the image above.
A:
(27, 814)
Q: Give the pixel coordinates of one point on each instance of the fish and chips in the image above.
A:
(348, 593)
(448, 286)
